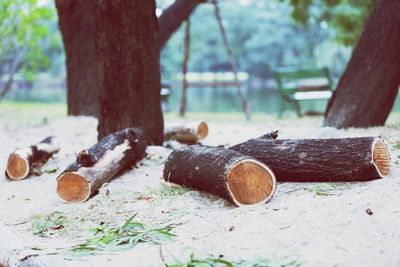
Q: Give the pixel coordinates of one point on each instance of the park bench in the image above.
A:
(297, 85)
(165, 93)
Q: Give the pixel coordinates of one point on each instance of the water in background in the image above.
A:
(208, 99)
(225, 99)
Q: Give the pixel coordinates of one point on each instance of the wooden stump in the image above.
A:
(186, 132)
(100, 163)
(226, 173)
(321, 160)
(21, 163)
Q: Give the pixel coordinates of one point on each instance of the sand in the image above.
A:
(309, 224)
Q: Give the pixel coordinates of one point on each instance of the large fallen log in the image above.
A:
(321, 160)
(190, 132)
(226, 173)
(100, 163)
(24, 160)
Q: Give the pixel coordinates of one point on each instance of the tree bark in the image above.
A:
(321, 160)
(223, 172)
(190, 132)
(128, 69)
(76, 22)
(24, 160)
(100, 163)
(369, 85)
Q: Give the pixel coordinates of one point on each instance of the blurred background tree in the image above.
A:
(264, 35)
(29, 41)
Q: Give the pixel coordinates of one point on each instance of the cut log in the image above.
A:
(321, 160)
(24, 160)
(223, 172)
(186, 132)
(100, 163)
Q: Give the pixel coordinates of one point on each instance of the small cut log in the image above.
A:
(100, 163)
(223, 172)
(24, 160)
(321, 160)
(186, 132)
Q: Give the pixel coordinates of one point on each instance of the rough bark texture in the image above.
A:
(100, 163)
(190, 132)
(76, 22)
(368, 88)
(127, 57)
(320, 160)
(24, 160)
(212, 169)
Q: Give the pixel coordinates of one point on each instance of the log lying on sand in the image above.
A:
(100, 163)
(321, 160)
(24, 160)
(226, 173)
(186, 132)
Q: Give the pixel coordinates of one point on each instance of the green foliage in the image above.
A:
(47, 225)
(263, 36)
(212, 261)
(28, 36)
(124, 237)
(347, 17)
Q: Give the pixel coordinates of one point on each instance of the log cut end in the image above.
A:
(250, 182)
(202, 130)
(381, 157)
(17, 167)
(72, 187)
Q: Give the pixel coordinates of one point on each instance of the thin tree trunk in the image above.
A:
(76, 22)
(172, 18)
(127, 58)
(368, 88)
(232, 61)
(186, 55)
(13, 68)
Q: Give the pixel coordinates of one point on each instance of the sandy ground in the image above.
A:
(299, 223)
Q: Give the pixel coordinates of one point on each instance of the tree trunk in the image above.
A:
(226, 173)
(186, 55)
(127, 57)
(100, 163)
(321, 160)
(25, 160)
(368, 88)
(76, 22)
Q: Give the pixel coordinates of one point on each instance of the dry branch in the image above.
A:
(24, 160)
(321, 160)
(226, 173)
(100, 163)
(186, 132)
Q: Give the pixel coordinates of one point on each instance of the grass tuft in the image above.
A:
(212, 261)
(126, 236)
(47, 225)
